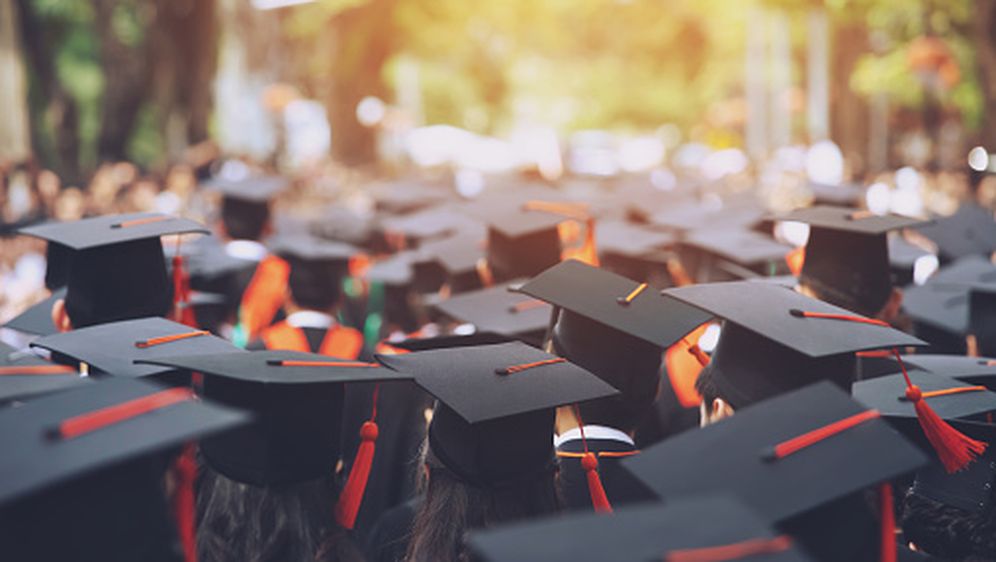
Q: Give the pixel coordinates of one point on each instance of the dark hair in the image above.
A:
(239, 522)
(706, 387)
(316, 286)
(450, 507)
(244, 220)
(949, 532)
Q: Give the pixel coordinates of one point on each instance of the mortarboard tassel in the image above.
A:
(737, 551)
(954, 449)
(182, 311)
(348, 506)
(589, 462)
(795, 259)
(185, 473)
(888, 516)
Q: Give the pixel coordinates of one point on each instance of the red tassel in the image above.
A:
(185, 472)
(954, 448)
(349, 503)
(182, 311)
(598, 498)
(888, 516)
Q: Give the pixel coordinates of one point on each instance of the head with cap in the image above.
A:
(982, 320)
(317, 270)
(245, 206)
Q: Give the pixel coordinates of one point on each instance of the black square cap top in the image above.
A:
(23, 375)
(849, 220)
(770, 311)
(888, 395)
(431, 223)
(56, 440)
(615, 301)
(498, 310)
(635, 534)
(494, 422)
(846, 194)
(114, 347)
(971, 230)
(449, 341)
(253, 189)
(473, 382)
(297, 399)
(745, 247)
(943, 301)
(626, 239)
(457, 255)
(973, 370)
(37, 318)
(313, 249)
(396, 270)
(744, 455)
(407, 196)
(108, 230)
(521, 222)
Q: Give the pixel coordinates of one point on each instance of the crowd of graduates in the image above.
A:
(229, 365)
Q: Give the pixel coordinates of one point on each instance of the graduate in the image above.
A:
(618, 330)
(489, 455)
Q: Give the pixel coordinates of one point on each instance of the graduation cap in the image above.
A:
(940, 307)
(972, 370)
(83, 472)
(709, 527)
(847, 256)
(113, 348)
(635, 251)
(498, 310)
(317, 269)
(344, 225)
(742, 253)
(449, 341)
(23, 375)
(903, 258)
(395, 270)
(733, 213)
(982, 316)
(37, 318)
(253, 189)
(971, 489)
(776, 456)
(493, 425)
(775, 339)
(57, 262)
(403, 197)
(841, 195)
(298, 399)
(970, 231)
(522, 243)
(461, 258)
(117, 267)
(245, 203)
(429, 223)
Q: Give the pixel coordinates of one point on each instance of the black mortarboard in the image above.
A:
(498, 310)
(743, 214)
(459, 257)
(297, 398)
(749, 455)
(317, 269)
(636, 252)
(523, 243)
(970, 231)
(759, 254)
(639, 534)
(903, 257)
(769, 345)
(844, 195)
(494, 421)
(940, 307)
(57, 262)
(888, 395)
(395, 270)
(449, 341)
(970, 489)
(23, 375)
(982, 316)
(113, 348)
(431, 223)
(37, 318)
(257, 189)
(81, 485)
(343, 225)
(973, 370)
(847, 256)
(118, 269)
(407, 196)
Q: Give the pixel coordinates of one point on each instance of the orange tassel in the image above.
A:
(182, 311)
(185, 472)
(348, 506)
(888, 515)
(954, 448)
(598, 498)
(796, 259)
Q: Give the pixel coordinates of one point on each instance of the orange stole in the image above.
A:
(264, 296)
(339, 341)
(683, 368)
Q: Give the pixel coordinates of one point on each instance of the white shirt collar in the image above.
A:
(310, 319)
(593, 432)
(248, 250)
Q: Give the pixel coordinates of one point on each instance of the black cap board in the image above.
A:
(407, 196)
(449, 341)
(982, 317)
(847, 256)
(943, 301)
(494, 424)
(903, 258)
(636, 534)
(767, 346)
(113, 348)
(887, 395)
(57, 263)
(498, 310)
(971, 230)
(845, 194)
(434, 222)
(396, 270)
(744, 247)
(253, 189)
(81, 485)
(23, 376)
(317, 269)
(627, 239)
(297, 399)
(735, 456)
(108, 230)
(601, 295)
(973, 370)
(37, 318)
(523, 243)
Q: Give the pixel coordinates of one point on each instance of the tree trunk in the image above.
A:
(849, 111)
(15, 144)
(126, 79)
(984, 31)
(363, 47)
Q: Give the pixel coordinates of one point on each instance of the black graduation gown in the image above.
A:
(621, 487)
(389, 537)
